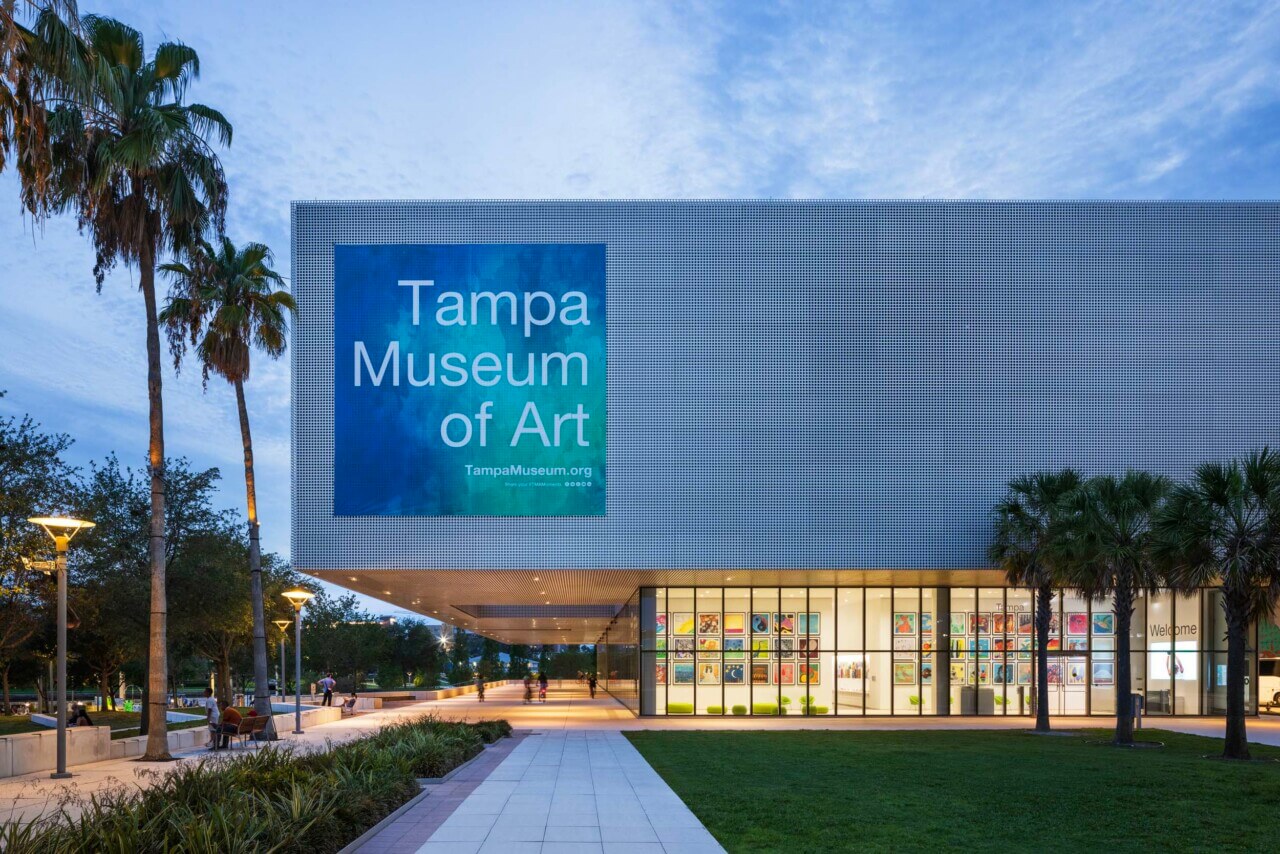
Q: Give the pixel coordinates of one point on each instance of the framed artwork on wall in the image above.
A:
(848, 667)
(708, 623)
(1075, 672)
(761, 649)
(808, 647)
(735, 623)
(1026, 623)
(683, 674)
(1077, 644)
(1001, 644)
(760, 623)
(904, 673)
(1024, 648)
(957, 672)
(959, 621)
(661, 627)
(733, 673)
(904, 648)
(660, 674)
(760, 674)
(1024, 674)
(973, 622)
(1055, 623)
(997, 624)
(684, 648)
(960, 647)
(708, 647)
(786, 673)
(926, 623)
(998, 671)
(984, 623)
(984, 673)
(708, 673)
(786, 648)
(682, 622)
(1104, 649)
(1055, 672)
(984, 647)
(811, 623)
(733, 649)
(1055, 644)
(810, 673)
(1104, 624)
(926, 671)
(784, 624)
(904, 622)
(1077, 623)
(1104, 673)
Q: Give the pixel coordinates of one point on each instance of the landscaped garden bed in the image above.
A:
(967, 791)
(271, 799)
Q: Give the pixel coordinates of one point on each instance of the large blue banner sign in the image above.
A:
(469, 380)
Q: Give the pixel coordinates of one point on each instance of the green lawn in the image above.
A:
(978, 791)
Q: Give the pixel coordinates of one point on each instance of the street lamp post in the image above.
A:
(283, 626)
(61, 529)
(297, 598)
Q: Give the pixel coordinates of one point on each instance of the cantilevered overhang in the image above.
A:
(575, 606)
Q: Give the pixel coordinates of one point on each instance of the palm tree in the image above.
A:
(1108, 552)
(1027, 521)
(39, 66)
(1223, 527)
(226, 303)
(135, 164)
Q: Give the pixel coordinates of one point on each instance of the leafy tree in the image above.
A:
(135, 164)
(1026, 523)
(415, 654)
(34, 480)
(1108, 552)
(226, 302)
(490, 664)
(1223, 527)
(339, 637)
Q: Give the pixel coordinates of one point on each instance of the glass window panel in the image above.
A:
(849, 620)
(879, 670)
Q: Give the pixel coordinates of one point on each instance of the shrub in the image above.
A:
(273, 799)
(739, 710)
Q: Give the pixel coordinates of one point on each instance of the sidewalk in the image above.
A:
(556, 793)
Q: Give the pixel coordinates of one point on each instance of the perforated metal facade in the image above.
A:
(836, 385)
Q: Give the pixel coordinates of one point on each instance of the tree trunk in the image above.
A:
(145, 688)
(223, 688)
(157, 672)
(4, 678)
(1044, 610)
(261, 698)
(104, 685)
(1124, 666)
(1236, 745)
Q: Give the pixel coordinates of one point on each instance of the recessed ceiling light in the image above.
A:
(535, 578)
(353, 578)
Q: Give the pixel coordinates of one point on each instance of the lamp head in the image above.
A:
(60, 528)
(282, 624)
(298, 597)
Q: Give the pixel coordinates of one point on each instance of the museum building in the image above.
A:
(750, 448)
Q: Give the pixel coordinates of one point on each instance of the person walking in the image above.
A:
(542, 687)
(328, 683)
(480, 687)
(591, 685)
(528, 689)
(212, 716)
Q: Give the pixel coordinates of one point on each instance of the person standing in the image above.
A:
(591, 685)
(212, 716)
(542, 687)
(480, 687)
(328, 683)
(528, 689)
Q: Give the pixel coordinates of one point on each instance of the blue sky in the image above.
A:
(631, 100)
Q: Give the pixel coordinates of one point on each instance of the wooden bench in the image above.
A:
(249, 727)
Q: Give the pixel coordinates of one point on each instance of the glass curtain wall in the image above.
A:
(618, 657)
(916, 651)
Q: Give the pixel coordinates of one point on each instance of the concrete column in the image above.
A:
(647, 678)
(942, 654)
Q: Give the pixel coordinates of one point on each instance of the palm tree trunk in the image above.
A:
(1124, 666)
(1044, 610)
(1236, 745)
(157, 673)
(261, 698)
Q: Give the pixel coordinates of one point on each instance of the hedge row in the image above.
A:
(273, 799)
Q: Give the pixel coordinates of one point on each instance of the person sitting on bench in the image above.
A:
(230, 725)
(349, 704)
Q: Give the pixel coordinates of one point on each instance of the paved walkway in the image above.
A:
(572, 793)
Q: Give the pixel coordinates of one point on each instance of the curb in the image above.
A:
(355, 844)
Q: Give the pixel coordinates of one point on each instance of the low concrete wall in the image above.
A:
(423, 695)
(27, 752)
(170, 716)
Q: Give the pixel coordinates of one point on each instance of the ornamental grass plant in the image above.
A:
(273, 799)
